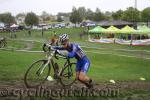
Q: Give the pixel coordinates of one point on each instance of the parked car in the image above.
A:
(49, 26)
(34, 27)
(27, 27)
(90, 24)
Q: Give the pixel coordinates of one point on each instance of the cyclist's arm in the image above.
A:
(72, 53)
(58, 47)
(69, 55)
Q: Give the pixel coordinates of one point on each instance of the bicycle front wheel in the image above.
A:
(67, 75)
(37, 73)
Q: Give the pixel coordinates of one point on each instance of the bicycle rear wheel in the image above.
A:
(34, 76)
(2, 44)
(68, 75)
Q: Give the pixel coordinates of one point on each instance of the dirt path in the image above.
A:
(121, 86)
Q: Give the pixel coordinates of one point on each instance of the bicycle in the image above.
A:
(65, 76)
(3, 42)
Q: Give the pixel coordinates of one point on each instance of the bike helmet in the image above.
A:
(63, 37)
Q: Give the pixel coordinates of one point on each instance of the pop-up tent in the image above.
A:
(143, 30)
(103, 38)
(112, 29)
(126, 35)
(97, 29)
(127, 30)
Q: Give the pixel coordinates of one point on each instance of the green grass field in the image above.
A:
(108, 61)
(105, 66)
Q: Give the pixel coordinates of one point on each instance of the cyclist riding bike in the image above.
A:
(83, 63)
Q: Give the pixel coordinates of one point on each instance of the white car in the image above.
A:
(90, 24)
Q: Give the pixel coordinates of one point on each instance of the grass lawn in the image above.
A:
(103, 66)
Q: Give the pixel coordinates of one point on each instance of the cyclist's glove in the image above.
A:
(61, 54)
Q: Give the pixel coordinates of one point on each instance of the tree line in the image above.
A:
(130, 14)
(79, 14)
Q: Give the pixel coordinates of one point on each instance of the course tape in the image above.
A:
(117, 49)
(132, 50)
(12, 49)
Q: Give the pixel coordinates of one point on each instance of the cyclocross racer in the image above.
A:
(83, 62)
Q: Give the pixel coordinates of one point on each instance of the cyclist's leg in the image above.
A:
(82, 75)
(78, 68)
(83, 78)
(83, 71)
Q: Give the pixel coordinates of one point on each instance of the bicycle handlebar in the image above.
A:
(44, 47)
(59, 55)
(55, 53)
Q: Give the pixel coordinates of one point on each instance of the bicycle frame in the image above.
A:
(68, 62)
(49, 59)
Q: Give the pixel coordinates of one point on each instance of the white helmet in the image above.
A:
(63, 37)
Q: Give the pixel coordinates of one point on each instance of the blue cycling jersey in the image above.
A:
(74, 51)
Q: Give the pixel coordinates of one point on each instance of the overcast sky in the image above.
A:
(55, 6)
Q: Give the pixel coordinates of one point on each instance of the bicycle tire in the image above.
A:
(62, 77)
(5, 44)
(0, 44)
(26, 81)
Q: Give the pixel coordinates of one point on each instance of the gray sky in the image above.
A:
(55, 6)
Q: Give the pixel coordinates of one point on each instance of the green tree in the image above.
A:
(7, 18)
(31, 19)
(131, 14)
(75, 16)
(59, 19)
(145, 14)
(117, 15)
(82, 12)
(108, 15)
(98, 15)
(63, 14)
(45, 16)
(20, 15)
(89, 14)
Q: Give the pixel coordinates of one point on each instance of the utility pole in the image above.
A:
(134, 21)
(135, 4)
(135, 7)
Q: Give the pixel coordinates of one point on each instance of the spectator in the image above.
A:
(54, 39)
(29, 32)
